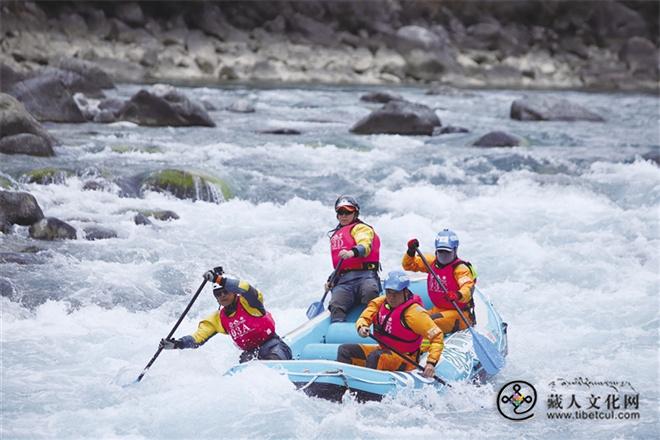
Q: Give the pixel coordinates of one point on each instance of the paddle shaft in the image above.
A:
(185, 312)
(404, 357)
(332, 279)
(442, 286)
(492, 361)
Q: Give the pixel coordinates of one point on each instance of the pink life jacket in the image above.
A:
(342, 239)
(247, 331)
(389, 327)
(436, 294)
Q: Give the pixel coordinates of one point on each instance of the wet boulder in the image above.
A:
(98, 233)
(45, 176)
(164, 106)
(141, 219)
(48, 99)
(652, 156)
(399, 117)
(187, 185)
(16, 121)
(449, 129)
(26, 143)
(380, 97)
(19, 208)
(281, 131)
(550, 109)
(498, 139)
(51, 228)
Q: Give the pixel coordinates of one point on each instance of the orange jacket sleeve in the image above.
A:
(465, 282)
(415, 264)
(419, 321)
(368, 314)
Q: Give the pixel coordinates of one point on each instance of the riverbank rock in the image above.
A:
(163, 105)
(19, 208)
(399, 117)
(20, 133)
(550, 109)
(91, 72)
(498, 139)
(51, 228)
(187, 185)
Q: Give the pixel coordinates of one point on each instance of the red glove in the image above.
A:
(453, 295)
(413, 244)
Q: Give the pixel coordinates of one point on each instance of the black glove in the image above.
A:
(211, 275)
(413, 244)
(169, 344)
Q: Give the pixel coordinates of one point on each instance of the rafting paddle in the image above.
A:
(489, 356)
(405, 358)
(316, 308)
(153, 359)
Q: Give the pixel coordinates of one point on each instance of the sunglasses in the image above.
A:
(219, 293)
(344, 212)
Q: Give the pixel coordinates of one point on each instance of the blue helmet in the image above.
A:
(446, 240)
(397, 280)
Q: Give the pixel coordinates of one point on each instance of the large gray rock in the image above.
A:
(428, 54)
(399, 117)
(130, 13)
(48, 99)
(51, 228)
(14, 119)
(550, 109)
(164, 106)
(19, 208)
(88, 70)
(640, 55)
(26, 143)
(9, 76)
(498, 139)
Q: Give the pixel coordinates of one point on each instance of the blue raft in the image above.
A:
(314, 345)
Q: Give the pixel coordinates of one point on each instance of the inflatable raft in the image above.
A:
(314, 345)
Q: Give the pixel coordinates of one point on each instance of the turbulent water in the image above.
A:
(564, 234)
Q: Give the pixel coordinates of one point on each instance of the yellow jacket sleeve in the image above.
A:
(363, 236)
(465, 282)
(415, 264)
(208, 327)
(368, 314)
(419, 321)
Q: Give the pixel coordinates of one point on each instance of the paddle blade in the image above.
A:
(487, 352)
(315, 309)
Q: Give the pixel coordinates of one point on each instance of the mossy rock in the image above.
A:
(188, 185)
(123, 149)
(7, 183)
(45, 176)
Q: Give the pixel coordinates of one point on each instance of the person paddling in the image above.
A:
(242, 316)
(357, 246)
(400, 323)
(457, 275)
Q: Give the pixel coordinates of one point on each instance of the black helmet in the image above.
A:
(347, 202)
